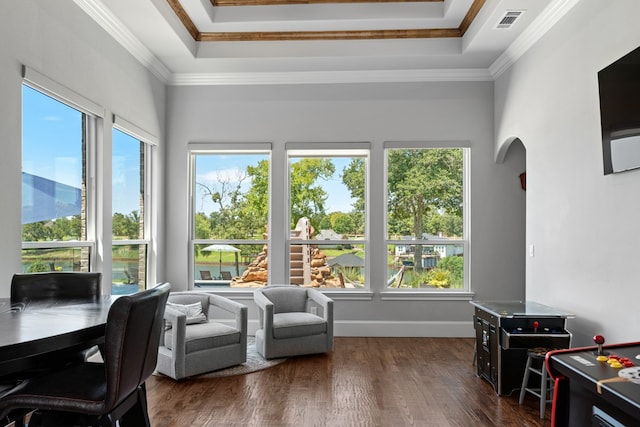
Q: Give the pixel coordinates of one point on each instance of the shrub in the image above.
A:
(37, 267)
(439, 278)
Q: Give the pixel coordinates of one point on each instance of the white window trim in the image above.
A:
(150, 142)
(392, 294)
(330, 149)
(199, 148)
(94, 114)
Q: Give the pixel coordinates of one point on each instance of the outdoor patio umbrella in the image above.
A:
(221, 248)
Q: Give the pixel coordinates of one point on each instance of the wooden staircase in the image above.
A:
(300, 255)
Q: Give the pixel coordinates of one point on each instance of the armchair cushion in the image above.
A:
(286, 299)
(297, 324)
(202, 336)
(192, 311)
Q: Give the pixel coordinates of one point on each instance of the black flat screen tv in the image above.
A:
(619, 86)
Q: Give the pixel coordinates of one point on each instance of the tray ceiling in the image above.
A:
(325, 41)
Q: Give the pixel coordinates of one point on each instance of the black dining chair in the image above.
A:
(101, 394)
(56, 287)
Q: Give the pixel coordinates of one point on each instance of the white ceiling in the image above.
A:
(153, 33)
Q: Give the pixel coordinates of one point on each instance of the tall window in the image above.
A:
(327, 200)
(230, 211)
(426, 236)
(129, 224)
(56, 230)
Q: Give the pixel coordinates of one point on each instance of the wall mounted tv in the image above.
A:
(619, 85)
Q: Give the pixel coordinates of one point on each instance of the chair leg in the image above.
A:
(137, 416)
(525, 380)
(543, 390)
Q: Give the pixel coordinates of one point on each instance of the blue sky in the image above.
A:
(51, 135)
(52, 149)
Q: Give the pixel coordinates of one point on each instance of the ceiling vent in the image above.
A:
(509, 18)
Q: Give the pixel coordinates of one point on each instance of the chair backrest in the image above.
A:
(132, 337)
(286, 298)
(58, 285)
(226, 275)
(205, 275)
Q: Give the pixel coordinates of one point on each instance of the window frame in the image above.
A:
(327, 150)
(150, 143)
(92, 116)
(195, 149)
(429, 293)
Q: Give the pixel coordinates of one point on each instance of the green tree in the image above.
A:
(450, 225)
(307, 194)
(36, 232)
(202, 226)
(353, 179)
(255, 209)
(343, 223)
(325, 223)
(423, 181)
(228, 195)
(126, 225)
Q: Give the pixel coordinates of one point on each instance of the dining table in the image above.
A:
(31, 330)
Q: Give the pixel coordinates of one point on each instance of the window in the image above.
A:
(426, 233)
(230, 212)
(130, 217)
(57, 230)
(419, 216)
(327, 242)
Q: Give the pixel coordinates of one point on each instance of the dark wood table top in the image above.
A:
(29, 330)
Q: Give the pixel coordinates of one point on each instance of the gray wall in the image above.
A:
(375, 113)
(584, 226)
(59, 40)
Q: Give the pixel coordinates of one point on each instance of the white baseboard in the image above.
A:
(345, 328)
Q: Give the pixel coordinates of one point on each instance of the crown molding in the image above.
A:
(121, 34)
(543, 23)
(332, 77)
(114, 27)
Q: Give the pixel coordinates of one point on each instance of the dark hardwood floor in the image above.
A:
(364, 382)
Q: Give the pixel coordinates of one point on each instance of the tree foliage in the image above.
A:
(353, 178)
(307, 195)
(423, 182)
(126, 226)
(60, 229)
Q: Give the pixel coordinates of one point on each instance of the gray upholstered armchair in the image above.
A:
(288, 325)
(193, 343)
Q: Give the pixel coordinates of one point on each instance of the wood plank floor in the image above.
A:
(364, 382)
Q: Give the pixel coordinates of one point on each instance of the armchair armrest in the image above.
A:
(265, 310)
(178, 322)
(239, 311)
(323, 301)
